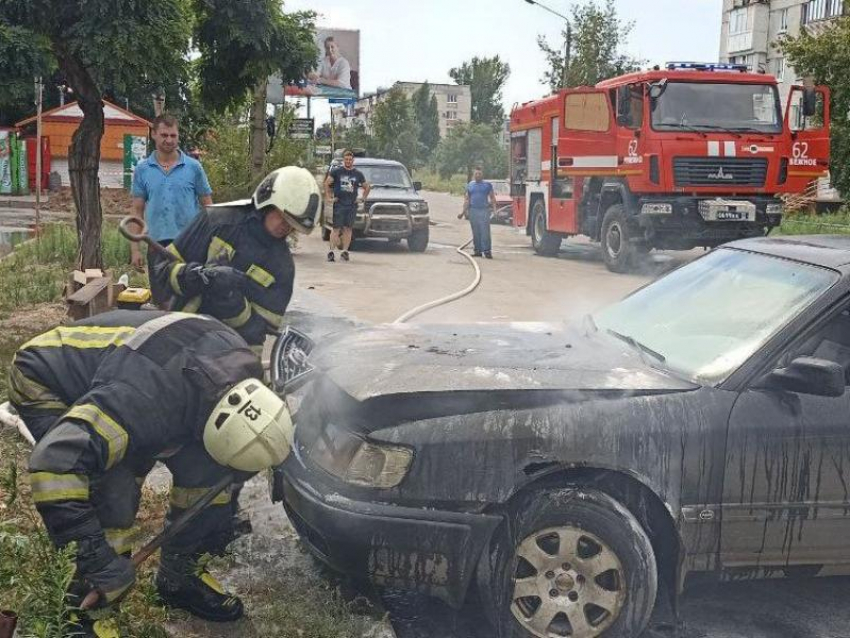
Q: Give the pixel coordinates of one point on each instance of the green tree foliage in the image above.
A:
(98, 44)
(427, 117)
(395, 132)
(356, 136)
(486, 77)
(826, 57)
(469, 145)
(598, 35)
(22, 58)
(243, 43)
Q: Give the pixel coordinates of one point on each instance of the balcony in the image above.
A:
(740, 42)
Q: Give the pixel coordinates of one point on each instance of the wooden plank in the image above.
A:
(79, 277)
(87, 293)
(93, 273)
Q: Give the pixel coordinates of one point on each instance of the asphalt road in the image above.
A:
(382, 281)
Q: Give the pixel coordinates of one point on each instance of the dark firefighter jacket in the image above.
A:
(138, 384)
(232, 235)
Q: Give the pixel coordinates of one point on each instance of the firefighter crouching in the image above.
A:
(233, 260)
(108, 396)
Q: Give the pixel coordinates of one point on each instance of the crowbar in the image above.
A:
(169, 532)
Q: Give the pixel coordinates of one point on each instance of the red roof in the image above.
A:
(71, 112)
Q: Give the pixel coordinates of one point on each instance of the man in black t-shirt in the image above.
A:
(342, 185)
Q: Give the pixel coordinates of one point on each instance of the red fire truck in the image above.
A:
(690, 155)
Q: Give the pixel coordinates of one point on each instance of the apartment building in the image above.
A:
(751, 29)
(454, 104)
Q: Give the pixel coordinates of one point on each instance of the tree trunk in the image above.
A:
(258, 129)
(84, 160)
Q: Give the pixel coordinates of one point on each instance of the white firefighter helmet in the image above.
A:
(295, 193)
(249, 429)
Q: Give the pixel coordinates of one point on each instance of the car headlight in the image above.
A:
(657, 209)
(773, 209)
(418, 207)
(354, 460)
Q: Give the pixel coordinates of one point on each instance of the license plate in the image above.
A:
(731, 215)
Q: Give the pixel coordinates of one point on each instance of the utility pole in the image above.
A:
(569, 38)
(39, 99)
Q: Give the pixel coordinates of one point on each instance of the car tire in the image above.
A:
(543, 242)
(617, 248)
(584, 565)
(418, 240)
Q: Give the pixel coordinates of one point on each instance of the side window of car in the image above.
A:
(830, 342)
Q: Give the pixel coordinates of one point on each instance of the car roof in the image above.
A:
(829, 251)
(375, 161)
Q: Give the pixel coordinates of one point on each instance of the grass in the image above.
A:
(806, 224)
(455, 185)
(37, 270)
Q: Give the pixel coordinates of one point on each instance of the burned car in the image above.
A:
(699, 427)
(394, 210)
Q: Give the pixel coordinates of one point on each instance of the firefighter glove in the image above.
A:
(99, 568)
(223, 279)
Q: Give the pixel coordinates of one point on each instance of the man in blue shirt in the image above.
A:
(168, 187)
(479, 202)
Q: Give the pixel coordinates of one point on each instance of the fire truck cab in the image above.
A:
(691, 155)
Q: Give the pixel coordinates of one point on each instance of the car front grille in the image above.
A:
(394, 209)
(720, 171)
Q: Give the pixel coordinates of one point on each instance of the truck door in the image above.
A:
(562, 214)
(629, 100)
(810, 145)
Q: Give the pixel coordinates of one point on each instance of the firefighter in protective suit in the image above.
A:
(233, 261)
(105, 398)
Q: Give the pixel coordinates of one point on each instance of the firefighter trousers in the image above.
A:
(116, 495)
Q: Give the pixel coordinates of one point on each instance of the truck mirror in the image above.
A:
(624, 105)
(810, 102)
(657, 90)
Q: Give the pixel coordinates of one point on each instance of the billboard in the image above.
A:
(337, 70)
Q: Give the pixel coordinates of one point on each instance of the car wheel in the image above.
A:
(543, 242)
(418, 240)
(617, 248)
(571, 562)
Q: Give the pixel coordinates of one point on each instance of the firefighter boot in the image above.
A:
(185, 584)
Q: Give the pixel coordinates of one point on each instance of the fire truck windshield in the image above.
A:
(704, 106)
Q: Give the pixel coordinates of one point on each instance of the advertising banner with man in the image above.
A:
(337, 71)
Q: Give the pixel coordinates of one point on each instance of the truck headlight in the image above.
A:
(773, 209)
(351, 458)
(418, 207)
(657, 209)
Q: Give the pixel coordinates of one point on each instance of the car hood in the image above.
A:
(404, 359)
(378, 194)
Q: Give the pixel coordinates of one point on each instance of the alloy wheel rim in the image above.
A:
(566, 582)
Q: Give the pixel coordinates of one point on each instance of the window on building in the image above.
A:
(451, 98)
(815, 10)
(450, 115)
(739, 21)
(783, 20)
(780, 69)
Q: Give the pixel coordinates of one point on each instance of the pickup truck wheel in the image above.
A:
(617, 249)
(418, 240)
(543, 242)
(571, 562)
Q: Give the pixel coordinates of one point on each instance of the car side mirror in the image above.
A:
(417, 186)
(808, 375)
(810, 102)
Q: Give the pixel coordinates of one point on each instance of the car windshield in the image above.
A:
(707, 318)
(501, 188)
(388, 176)
(717, 107)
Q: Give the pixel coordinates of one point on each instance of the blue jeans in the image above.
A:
(479, 219)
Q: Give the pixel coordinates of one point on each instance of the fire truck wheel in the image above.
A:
(617, 249)
(543, 242)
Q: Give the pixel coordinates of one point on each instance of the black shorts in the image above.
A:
(344, 216)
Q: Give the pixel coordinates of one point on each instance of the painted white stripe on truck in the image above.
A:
(729, 149)
(595, 161)
(714, 149)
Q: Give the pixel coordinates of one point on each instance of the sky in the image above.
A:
(418, 40)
